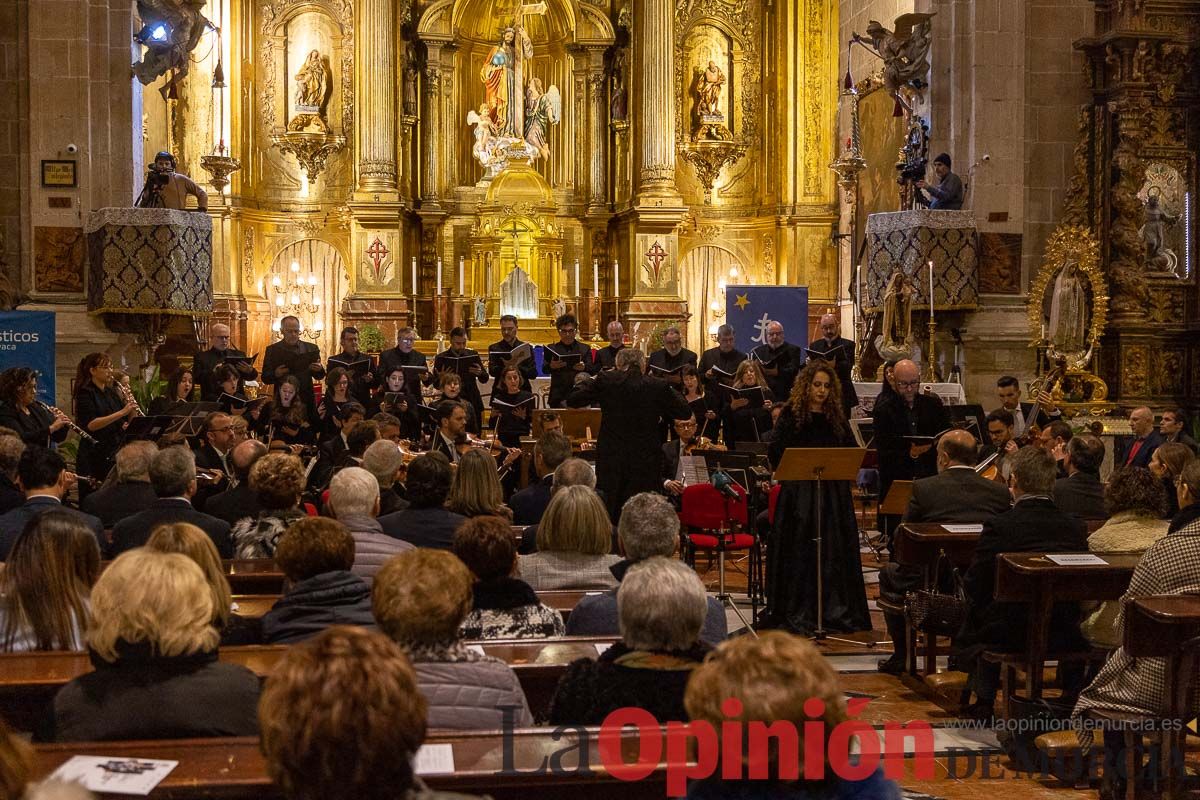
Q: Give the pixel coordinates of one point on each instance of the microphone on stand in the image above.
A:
(724, 483)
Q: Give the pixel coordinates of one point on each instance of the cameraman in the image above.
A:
(166, 188)
(948, 194)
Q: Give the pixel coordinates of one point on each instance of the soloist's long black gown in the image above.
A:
(791, 551)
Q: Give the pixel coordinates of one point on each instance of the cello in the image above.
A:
(1053, 377)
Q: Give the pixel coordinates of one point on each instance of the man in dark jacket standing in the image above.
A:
(780, 360)
(1033, 525)
(293, 357)
(843, 357)
(565, 359)
(628, 455)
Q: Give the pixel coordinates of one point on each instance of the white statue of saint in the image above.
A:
(558, 307)
(1067, 331)
(480, 311)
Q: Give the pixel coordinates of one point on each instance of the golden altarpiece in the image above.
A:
(389, 162)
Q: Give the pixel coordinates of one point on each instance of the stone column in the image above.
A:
(597, 130)
(655, 47)
(431, 124)
(377, 128)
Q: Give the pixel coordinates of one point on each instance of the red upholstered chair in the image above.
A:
(712, 522)
(772, 501)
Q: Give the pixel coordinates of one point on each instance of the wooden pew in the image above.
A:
(1034, 579)
(234, 767)
(562, 601)
(253, 576)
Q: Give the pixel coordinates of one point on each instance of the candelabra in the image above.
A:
(931, 374)
(297, 296)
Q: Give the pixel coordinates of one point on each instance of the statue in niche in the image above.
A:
(708, 92)
(1159, 257)
(904, 52)
(312, 84)
(480, 311)
(618, 106)
(897, 314)
(503, 76)
(542, 109)
(1067, 331)
(411, 70)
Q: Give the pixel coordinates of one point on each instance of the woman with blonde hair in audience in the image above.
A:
(661, 606)
(154, 648)
(574, 544)
(475, 490)
(774, 677)
(1167, 463)
(356, 743)
(504, 606)
(278, 483)
(421, 599)
(45, 584)
(182, 537)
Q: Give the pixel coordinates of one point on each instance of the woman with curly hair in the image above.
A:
(746, 420)
(278, 482)
(20, 410)
(814, 417)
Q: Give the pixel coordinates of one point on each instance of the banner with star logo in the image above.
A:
(749, 308)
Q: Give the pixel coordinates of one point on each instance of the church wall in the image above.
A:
(14, 120)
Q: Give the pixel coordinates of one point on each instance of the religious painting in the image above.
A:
(999, 263)
(58, 258)
(1068, 301)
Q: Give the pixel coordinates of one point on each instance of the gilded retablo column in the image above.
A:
(653, 31)
(377, 130)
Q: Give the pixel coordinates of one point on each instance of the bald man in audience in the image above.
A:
(955, 494)
(1146, 439)
(131, 492)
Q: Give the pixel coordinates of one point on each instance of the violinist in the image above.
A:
(682, 445)
(451, 416)
(1000, 431)
(512, 408)
(704, 405)
(102, 411)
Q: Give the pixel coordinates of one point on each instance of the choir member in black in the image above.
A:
(471, 376)
(336, 395)
(843, 360)
(628, 453)
(207, 361)
(513, 420)
(779, 359)
(906, 412)
(289, 417)
(562, 373)
(179, 392)
(745, 419)
(102, 411)
(415, 365)
(606, 357)
(362, 378)
(451, 388)
(21, 411)
(706, 406)
(724, 357)
(813, 417)
(232, 400)
(671, 357)
(497, 360)
(404, 408)
(294, 357)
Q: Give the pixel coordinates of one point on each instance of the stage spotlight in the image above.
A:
(159, 33)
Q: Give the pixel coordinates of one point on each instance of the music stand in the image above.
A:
(821, 464)
(896, 502)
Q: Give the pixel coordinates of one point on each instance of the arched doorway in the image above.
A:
(307, 280)
(706, 270)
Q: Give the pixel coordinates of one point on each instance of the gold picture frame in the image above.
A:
(1069, 245)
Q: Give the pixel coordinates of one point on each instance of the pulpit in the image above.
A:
(908, 241)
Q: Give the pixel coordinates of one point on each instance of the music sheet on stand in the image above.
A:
(692, 470)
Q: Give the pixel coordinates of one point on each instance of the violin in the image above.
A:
(703, 443)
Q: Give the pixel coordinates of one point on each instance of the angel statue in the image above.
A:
(485, 133)
(905, 54)
(542, 109)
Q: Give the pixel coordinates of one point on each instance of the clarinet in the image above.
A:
(70, 424)
(127, 393)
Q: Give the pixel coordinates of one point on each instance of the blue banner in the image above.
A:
(749, 308)
(27, 340)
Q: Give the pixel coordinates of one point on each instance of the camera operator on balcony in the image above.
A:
(166, 188)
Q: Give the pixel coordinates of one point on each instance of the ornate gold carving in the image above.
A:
(709, 158)
(219, 168)
(815, 80)
(1069, 245)
(247, 259)
(1167, 306)
(311, 150)
(1135, 370)
(1076, 205)
(768, 257)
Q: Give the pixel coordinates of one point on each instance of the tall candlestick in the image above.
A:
(461, 276)
(439, 277)
(595, 278)
(931, 290)
(414, 276)
(616, 278)
(577, 277)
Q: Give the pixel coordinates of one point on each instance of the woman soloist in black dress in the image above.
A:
(814, 417)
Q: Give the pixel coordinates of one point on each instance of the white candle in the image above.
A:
(859, 288)
(577, 277)
(414, 276)
(616, 278)
(439, 278)
(931, 290)
(462, 272)
(595, 277)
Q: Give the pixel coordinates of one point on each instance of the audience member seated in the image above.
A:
(315, 555)
(426, 522)
(11, 448)
(278, 482)
(1081, 494)
(574, 544)
(182, 537)
(649, 527)
(1167, 465)
(421, 599)
(45, 584)
(356, 743)
(43, 477)
(1034, 524)
(354, 502)
(131, 492)
(528, 505)
(384, 460)
(662, 605)
(475, 490)
(173, 476)
(504, 606)
(213, 454)
(1054, 439)
(155, 652)
(1136, 685)
(773, 677)
(365, 434)
(1135, 501)
(572, 472)
(233, 505)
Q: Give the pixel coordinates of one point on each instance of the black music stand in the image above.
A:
(821, 464)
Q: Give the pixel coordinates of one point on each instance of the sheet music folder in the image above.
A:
(830, 463)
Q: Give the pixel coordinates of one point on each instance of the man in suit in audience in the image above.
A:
(528, 505)
(955, 494)
(426, 522)
(1081, 494)
(241, 501)
(1173, 427)
(11, 448)
(384, 460)
(43, 477)
(649, 527)
(1146, 439)
(131, 492)
(1033, 525)
(572, 472)
(173, 475)
(451, 416)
